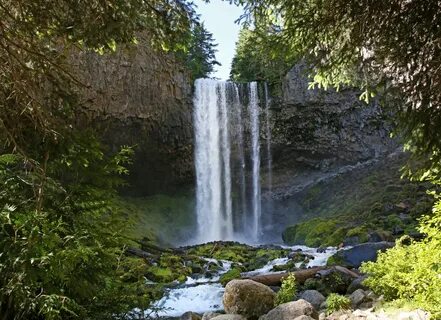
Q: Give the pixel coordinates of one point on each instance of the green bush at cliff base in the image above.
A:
(411, 273)
(336, 302)
(287, 291)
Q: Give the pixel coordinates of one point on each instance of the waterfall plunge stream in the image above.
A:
(227, 159)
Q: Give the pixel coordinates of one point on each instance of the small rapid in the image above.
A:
(202, 294)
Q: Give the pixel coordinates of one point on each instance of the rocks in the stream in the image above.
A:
(334, 280)
(190, 316)
(357, 297)
(210, 315)
(291, 310)
(248, 298)
(354, 256)
(314, 297)
(357, 283)
(229, 317)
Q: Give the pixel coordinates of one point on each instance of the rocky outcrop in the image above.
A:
(142, 98)
(356, 255)
(248, 298)
(316, 129)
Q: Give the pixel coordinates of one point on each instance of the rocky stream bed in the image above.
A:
(232, 281)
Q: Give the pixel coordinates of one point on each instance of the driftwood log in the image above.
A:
(300, 275)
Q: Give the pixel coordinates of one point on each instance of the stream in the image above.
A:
(200, 294)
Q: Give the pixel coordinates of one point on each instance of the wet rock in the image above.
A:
(210, 315)
(190, 316)
(248, 298)
(364, 252)
(229, 317)
(291, 310)
(357, 297)
(314, 297)
(357, 284)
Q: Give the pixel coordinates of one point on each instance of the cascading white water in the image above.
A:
(226, 153)
(268, 138)
(255, 158)
(207, 161)
(217, 106)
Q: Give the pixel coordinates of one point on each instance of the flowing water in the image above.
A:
(222, 130)
(200, 294)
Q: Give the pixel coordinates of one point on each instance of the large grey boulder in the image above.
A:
(313, 297)
(357, 297)
(229, 317)
(210, 315)
(248, 298)
(354, 256)
(190, 316)
(291, 310)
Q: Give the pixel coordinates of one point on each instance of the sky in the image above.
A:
(218, 17)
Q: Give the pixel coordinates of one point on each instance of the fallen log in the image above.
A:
(276, 279)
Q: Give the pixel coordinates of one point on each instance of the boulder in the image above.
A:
(248, 298)
(190, 316)
(357, 283)
(210, 315)
(354, 256)
(357, 297)
(291, 310)
(313, 297)
(229, 317)
(304, 317)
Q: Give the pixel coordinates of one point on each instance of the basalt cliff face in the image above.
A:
(142, 98)
(316, 132)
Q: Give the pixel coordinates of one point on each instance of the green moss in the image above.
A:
(356, 204)
(249, 257)
(315, 233)
(230, 275)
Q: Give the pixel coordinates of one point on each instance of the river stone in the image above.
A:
(291, 310)
(210, 315)
(248, 298)
(229, 317)
(313, 297)
(190, 316)
(357, 283)
(357, 297)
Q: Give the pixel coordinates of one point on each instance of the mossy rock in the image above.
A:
(230, 275)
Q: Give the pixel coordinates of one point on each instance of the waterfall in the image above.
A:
(207, 160)
(226, 152)
(268, 139)
(253, 106)
(220, 161)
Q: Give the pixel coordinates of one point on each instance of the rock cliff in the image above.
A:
(140, 97)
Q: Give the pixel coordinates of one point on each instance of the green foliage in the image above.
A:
(411, 272)
(255, 60)
(200, 55)
(287, 291)
(336, 302)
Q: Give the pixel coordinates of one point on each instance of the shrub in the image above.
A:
(287, 291)
(411, 273)
(336, 302)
